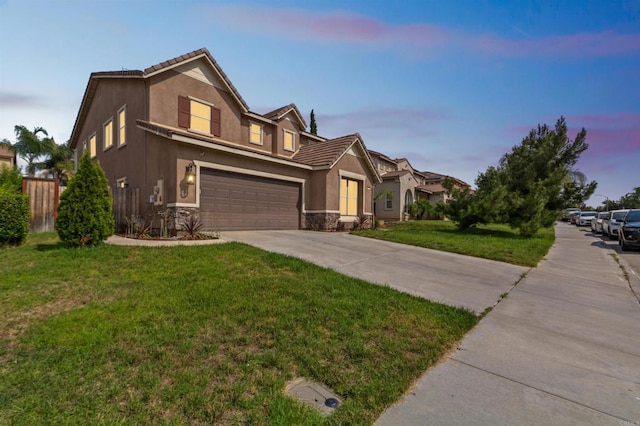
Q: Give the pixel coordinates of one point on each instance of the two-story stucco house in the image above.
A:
(434, 184)
(402, 185)
(178, 138)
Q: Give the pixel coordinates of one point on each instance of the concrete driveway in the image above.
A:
(448, 278)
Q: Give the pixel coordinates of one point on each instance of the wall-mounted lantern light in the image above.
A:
(190, 174)
(188, 180)
(122, 183)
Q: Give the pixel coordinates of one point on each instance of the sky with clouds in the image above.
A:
(450, 85)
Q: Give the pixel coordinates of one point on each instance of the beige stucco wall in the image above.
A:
(118, 161)
(398, 186)
(357, 165)
(165, 88)
(392, 185)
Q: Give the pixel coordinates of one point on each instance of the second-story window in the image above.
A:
(108, 134)
(255, 133)
(199, 116)
(289, 141)
(92, 145)
(122, 126)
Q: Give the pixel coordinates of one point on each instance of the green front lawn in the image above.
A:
(202, 334)
(495, 242)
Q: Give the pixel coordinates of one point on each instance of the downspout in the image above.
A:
(146, 154)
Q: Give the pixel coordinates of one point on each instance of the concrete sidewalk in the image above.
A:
(563, 348)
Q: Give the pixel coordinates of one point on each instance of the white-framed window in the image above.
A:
(92, 145)
(200, 116)
(289, 141)
(255, 133)
(388, 201)
(349, 190)
(122, 126)
(107, 134)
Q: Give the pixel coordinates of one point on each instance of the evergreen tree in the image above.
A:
(84, 213)
(313, 126)
(530, 186)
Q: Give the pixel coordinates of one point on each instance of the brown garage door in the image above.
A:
(237, 202)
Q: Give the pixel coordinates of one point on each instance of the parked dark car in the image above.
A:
(629, 230)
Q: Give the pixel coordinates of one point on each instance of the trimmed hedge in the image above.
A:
(14, 217)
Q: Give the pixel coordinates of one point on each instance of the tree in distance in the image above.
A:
(313, 127)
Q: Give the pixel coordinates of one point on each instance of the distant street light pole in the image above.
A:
(606, 199)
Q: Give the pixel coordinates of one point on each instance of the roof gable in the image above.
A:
(188, 63)
(280, 113)
(198, 64)
(327, 154)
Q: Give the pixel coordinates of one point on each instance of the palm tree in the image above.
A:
(60, 162)
(30, 147)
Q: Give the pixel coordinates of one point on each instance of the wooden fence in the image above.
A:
(44, 195)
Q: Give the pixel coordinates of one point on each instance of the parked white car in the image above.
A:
(596, 222)
(610, 223)
(584, 218)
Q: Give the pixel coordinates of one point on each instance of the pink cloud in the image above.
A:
(318, 26)
(11, 100)
(347, 27)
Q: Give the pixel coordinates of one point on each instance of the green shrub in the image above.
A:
(14, 216)
(84, 213)
(10, 178)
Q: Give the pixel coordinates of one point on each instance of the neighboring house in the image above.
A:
(399, 187)
(434, 183)
(7, 157)
(182, 140)
(402, 185)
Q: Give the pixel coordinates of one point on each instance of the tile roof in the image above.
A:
(395, 174)
(278, 113)
(431, 175)
(435, 188)
(188, 56)
(424, 188)
(325, 153)
(380, 155)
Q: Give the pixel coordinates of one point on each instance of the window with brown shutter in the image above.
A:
(216, 122)
(199, 116)
(184, 112)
